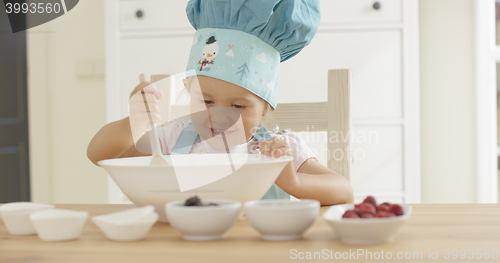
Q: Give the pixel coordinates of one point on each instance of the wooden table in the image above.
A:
(432, 228)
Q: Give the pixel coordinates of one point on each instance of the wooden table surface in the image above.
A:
(432, 228)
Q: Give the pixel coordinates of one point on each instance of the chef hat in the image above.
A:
(244, 41)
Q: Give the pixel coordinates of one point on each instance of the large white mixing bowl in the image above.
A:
(211, 174)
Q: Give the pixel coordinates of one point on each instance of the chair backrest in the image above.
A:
(333, 116)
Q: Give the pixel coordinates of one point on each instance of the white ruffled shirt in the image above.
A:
(170, 134)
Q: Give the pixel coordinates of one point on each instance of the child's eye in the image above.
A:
(238, 106)
(207, 101)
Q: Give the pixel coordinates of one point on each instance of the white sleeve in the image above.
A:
(300, 151)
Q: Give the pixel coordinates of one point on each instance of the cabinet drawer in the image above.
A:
(338, 12)
(171, 15)
(156, 15)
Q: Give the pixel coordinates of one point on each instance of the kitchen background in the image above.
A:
(67, 103)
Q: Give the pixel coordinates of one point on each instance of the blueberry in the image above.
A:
(193, 201)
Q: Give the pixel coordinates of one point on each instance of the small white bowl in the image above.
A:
(282, 219)
(128, 225)
(16, 216)
(58, 224)
(364, 230)
(202, 223)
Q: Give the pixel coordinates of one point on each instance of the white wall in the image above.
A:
(447, 101)
(66, 110)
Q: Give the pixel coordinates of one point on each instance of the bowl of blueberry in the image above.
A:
(202, 220)
(367, 222)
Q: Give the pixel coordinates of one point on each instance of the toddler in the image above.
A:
(232, 80)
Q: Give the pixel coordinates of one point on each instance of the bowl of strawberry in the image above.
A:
(367, 222)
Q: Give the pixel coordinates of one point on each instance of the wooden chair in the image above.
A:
(333, 116)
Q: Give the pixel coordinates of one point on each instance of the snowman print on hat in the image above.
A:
(210, 51)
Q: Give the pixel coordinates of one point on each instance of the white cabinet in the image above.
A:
(378, 159)
(381, 49)
(374, 58)
(380, 46)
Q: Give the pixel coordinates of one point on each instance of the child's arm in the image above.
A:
(312, 180)
(315, 181)
(116, 139)
(112, 141)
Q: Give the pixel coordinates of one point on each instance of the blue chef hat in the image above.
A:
(243, 41)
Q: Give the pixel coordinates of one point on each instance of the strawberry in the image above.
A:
(350, 214)
(397, 209)
(384, 207)
(381, 214)
(367, 208)
(367, 215)
(370, 199)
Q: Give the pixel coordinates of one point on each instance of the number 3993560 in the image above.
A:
(33, 8)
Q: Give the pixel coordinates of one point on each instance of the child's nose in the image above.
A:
(223, 116)
(220, 118)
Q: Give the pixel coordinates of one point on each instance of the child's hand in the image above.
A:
(138, 114)
(276, 147)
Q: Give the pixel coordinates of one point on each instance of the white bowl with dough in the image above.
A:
(128, 225)
(202, 223)
(58, 224)
(16, 215)
(210, 176)
(281, 219)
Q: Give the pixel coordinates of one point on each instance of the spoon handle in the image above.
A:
(153, 135)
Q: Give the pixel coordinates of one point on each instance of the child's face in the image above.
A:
(231, 107)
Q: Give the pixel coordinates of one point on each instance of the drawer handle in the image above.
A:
(139, 13)
(377, 5)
